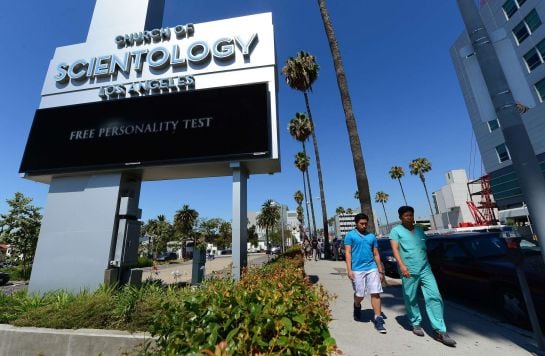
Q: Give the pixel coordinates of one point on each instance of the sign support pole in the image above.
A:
(240, 219)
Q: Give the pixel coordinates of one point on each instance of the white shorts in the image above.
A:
(366, 282)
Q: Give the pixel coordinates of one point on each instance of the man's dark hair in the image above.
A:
(360, 216)
(405, 208)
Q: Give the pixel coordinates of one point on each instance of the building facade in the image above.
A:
(517, 30)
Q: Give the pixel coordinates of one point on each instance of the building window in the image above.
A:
(540, 88)
(503, 154)
(533, 59)
(527, 26)
(511, 6)
(493, 125)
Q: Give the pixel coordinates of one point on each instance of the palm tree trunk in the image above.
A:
(429, 202)
(402, 191)
(386, 216)
(306, 202)
(320, 179)
(355, 146)
(310, 191)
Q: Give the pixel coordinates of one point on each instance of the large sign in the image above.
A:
(176, 97)
(198, 126)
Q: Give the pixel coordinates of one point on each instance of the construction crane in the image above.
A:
(483, 214)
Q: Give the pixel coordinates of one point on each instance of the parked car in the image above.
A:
(387, 258)
(167, 256)
(273, 251)
(477, 266)
(4, 278)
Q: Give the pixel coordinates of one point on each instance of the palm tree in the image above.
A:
(396, 172)
(355, 145)
(268, 217)
(349, 211)
(382, 198)
(340, 210)
(184, 221)
(302, 162)
(300, 72)
(299, 197)
(357, 195)
(419, 166)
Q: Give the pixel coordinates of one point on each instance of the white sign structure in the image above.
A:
(90, 219)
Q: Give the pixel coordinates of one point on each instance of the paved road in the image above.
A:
(181, 272)
(476, 333)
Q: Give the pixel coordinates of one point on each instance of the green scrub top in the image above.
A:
(412, 247)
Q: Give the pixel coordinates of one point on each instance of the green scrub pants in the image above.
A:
(432, 298)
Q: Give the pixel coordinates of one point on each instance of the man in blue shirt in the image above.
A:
(364, 269)
(409, 249)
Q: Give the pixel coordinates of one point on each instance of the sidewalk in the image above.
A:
(475, 333)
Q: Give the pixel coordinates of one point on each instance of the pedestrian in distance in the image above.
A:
(307, 248)
(364, 269)
(315, 248)
(335, 247)
(409, 249)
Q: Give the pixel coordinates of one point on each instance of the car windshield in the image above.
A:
(527, 245)
(484, 247)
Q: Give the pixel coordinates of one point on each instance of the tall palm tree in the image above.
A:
(382, 198)
(299, 197)
(355, 145)
(184, 222)
(396, 172)
(340, 210)
(300, 72)
(349, 211)
(268, 217)
(418, 167)
(300, 129)
(302, 162)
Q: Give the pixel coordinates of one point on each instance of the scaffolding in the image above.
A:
(483, 210)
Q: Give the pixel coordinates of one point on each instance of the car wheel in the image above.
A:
(513, 307)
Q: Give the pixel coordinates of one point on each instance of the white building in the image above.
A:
(450, 201)
(285, 220)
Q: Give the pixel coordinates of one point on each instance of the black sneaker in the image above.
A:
(379, 325)
(444, 338)
(417, 330)
(357, 313)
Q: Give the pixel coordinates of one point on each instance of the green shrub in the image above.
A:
(144, 261)
(273, 309)
(16, 272)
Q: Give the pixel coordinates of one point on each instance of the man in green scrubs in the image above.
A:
(409, 249)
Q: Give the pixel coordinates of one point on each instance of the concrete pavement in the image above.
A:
(475, 333)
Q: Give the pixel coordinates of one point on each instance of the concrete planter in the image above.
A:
(41, 341)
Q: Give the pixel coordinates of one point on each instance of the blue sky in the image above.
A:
(405, 96)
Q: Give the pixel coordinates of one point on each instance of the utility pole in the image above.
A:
(525, 163)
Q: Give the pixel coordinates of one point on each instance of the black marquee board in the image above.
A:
(229, 123)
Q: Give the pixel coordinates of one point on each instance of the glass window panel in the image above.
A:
(493, 125)
(486, 247)
(541, 48)
(540, 87)
(532, 59)
(501, 150)
(520, 2)
(532, 20)
(510, 8)
(521, 32)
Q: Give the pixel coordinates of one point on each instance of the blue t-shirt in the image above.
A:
(362, 250)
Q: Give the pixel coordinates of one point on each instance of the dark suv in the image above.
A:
(4, 278)
(387, 257)
(167, 256)
(477, 266)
